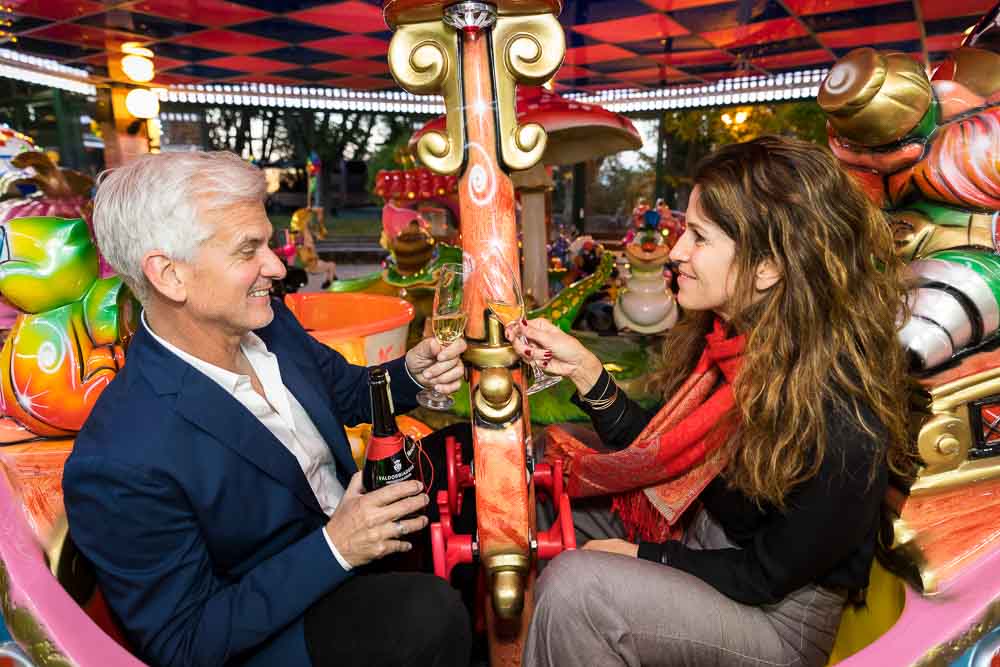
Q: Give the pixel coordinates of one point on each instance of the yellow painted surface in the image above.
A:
(861, 626)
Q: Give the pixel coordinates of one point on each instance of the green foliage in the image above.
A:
(707, 127)
(619, 186)
(389, 153)
(692, 134)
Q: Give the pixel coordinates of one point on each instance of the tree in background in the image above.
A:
(619, 185)
(692, 134)
(270, 136)
(689, 135)
(395, 145)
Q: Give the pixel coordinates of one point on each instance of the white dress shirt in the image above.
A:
(281, 414)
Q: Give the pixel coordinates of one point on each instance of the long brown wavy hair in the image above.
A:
(826, 331)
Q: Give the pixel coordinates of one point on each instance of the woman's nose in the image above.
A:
(679, 252)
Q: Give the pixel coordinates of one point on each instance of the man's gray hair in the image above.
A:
(155, 202)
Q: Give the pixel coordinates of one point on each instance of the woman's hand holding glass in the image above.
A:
(503, 296)
(558, 353)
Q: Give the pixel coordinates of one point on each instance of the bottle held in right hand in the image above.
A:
(391, 456)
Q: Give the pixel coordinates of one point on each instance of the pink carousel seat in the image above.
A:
(45, 620)
(937, 625)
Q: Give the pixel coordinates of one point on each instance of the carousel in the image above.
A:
(925, 144)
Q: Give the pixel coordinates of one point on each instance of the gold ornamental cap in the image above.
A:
(404, 12)
(977, 69)
(874, 99)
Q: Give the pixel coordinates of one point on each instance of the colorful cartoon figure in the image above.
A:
(560, 261)
(645, 304)
(671, 224)
(68, 343)
(314, 174)
(638, 220)
(928, 152)
(647, 222)
(305, 226)
(557, 274)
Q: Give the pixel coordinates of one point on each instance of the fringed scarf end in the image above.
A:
(642, 521)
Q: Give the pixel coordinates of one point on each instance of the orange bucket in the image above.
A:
(367, 329)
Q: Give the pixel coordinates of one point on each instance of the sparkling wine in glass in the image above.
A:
(447, 323)
(503, 297)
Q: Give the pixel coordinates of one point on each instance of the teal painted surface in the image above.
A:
(981, 653)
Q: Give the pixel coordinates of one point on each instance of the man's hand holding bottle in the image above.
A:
(369, 526)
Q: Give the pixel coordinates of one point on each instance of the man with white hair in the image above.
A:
(212, 486)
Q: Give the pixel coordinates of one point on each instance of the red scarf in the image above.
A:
(660, 474)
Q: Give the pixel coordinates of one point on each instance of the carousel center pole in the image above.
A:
(474, 53)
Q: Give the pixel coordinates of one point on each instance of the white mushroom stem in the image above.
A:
(534, 186)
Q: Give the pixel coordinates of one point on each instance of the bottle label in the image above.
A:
(388, 461)
(404, 473)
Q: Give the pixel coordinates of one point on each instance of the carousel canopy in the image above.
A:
(611, 44)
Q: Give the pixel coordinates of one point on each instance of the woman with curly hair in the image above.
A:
(786, 410)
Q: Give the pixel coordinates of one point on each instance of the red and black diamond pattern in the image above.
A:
(610, 43)
(990, 424)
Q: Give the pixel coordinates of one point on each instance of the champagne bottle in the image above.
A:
(391, 456)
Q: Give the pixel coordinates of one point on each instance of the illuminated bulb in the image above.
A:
(727, 119)
(741, 117)
(137, 68)
(142, 103)
(133, 48)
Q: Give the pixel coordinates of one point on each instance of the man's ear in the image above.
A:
(164, 275)
(767, 275)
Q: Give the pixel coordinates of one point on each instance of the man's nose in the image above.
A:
(273, 267)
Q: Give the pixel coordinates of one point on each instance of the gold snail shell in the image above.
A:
(873, 98)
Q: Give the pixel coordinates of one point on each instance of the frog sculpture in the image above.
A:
(68, 342)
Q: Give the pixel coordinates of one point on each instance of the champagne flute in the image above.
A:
(503, 296)
(447, 323)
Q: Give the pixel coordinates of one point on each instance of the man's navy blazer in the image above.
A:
(204, 532)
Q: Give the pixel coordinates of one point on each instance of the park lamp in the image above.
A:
(137, 63)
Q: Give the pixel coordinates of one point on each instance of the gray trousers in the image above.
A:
(595, 609)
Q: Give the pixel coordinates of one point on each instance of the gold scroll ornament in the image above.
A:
(526, 49)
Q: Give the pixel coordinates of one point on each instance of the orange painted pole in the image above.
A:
(473, 53)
